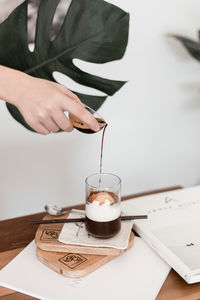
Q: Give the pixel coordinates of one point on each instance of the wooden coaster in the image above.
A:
(46, 239)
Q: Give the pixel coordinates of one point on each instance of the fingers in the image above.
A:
(51, 125)
(62, 121)
(82, 114)
(39, 127)
(70, 94)
(73, 105)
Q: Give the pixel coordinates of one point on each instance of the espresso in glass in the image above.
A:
(103, 205)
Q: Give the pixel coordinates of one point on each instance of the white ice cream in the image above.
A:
(102, 213)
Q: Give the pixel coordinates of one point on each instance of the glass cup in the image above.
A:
(102, 208)
(83, 127)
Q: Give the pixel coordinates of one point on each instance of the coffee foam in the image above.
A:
(102, 213)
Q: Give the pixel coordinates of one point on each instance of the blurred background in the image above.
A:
(152, 140)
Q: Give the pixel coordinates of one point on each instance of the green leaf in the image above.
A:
(93, 31)
(191, 46)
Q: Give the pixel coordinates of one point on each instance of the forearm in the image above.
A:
(11, 84)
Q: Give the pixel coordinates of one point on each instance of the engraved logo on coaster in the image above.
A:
(49, 234)
(72, 260)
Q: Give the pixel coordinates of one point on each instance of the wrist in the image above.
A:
(12, 83)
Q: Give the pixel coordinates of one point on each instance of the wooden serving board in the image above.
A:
(46, 239)
(73, 265)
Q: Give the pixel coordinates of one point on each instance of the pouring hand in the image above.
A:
(42, 103)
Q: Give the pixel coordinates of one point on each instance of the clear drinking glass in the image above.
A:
(102, 208)
(83, 127)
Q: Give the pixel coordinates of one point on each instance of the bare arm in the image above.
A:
(41, 102)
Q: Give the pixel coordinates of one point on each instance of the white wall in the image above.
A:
(153, 138)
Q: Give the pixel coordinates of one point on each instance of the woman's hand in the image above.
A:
(42, 103)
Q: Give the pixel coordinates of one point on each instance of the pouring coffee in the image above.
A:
(102, 209)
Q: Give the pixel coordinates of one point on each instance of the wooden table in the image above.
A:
(17, 234)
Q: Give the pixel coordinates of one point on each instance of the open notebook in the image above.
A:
(172, 228)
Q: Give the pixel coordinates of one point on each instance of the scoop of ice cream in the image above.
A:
(101, 198)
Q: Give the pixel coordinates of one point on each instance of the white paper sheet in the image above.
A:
(137, 274)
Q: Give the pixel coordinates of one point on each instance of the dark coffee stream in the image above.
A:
(83, 127)
(102, 141)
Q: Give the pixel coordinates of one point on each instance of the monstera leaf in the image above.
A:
(191, 46)
(93, 31)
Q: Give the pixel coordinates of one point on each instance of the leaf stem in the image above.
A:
(50, 60)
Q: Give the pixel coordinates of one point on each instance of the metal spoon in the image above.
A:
(55, 210)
